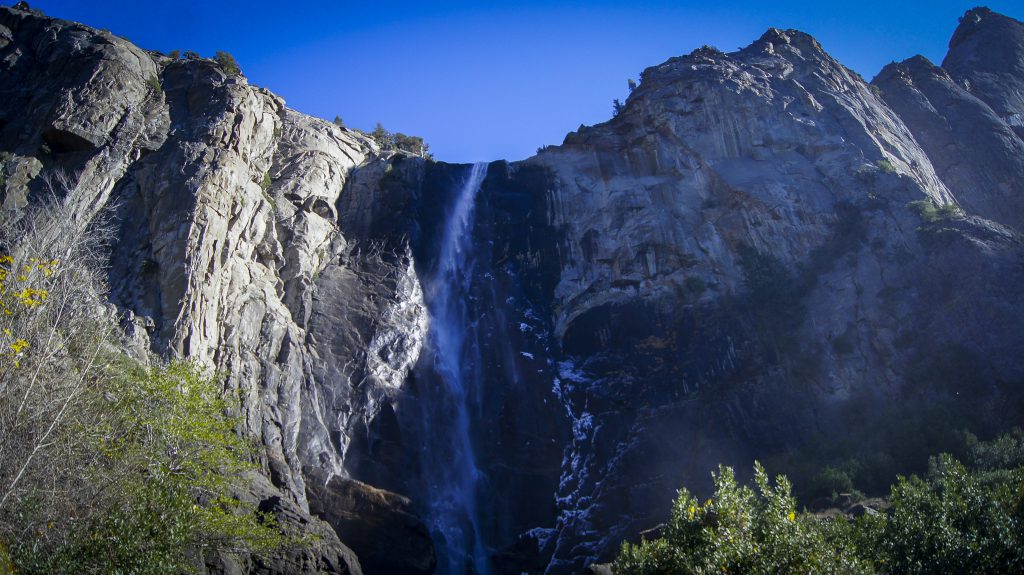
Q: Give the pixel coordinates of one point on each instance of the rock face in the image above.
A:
(967, 115)
(760, 248)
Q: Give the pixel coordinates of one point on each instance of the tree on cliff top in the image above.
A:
(227, 63)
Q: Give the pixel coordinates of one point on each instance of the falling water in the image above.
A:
(451, 469)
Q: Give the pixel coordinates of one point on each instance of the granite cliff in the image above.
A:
(510, 368)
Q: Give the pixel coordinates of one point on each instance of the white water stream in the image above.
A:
(452, 474)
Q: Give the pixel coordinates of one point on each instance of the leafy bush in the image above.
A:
(339, 122)
(399, 141)
(953, 520)
(1003, 452)
(886, 166)
(165, 461)
(932, 213)
(106, 465)
(411, 144)
(227, 63)
(174, 54)
(831, 481)
(741, 531)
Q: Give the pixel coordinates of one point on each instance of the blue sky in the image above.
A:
(488, 80)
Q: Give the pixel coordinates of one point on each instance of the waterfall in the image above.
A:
(449, 463)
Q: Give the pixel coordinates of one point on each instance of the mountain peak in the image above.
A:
(790, 36)
(986, 22)
(986, 56)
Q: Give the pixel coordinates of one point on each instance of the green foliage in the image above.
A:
(831, 481)
(741, 531)
(399, 141)
(154, 83)
(190, 55)
(166, 461)
(886, 166)
(631, 84)
(1003, 452)
(339, 122)
(266, 182)
(887, 443)
(174, 54)
(617, 107)
(932, 213)
(227, 63)
(6, 567)
(953, 520)
(411, 144)
(384, 138)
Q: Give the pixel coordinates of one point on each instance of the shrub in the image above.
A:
(1004, 452)
(339, 122)
(950, 522)
(165, 460)
(831, 481)
(740, 531)
(953, 520)
(154, 83)
(886, 166)
(411, 144)
(617, 107)
(174, 54)
(227, 63)
(399, 141)
(106, 465)
(932, 213)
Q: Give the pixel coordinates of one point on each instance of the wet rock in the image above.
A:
(377, 524)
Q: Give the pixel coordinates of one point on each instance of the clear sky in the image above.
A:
(488, 80)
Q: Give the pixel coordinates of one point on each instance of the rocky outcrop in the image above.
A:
(976, 151)
(986, 57)
(760, 248)
(378, 525)
(223, 202)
